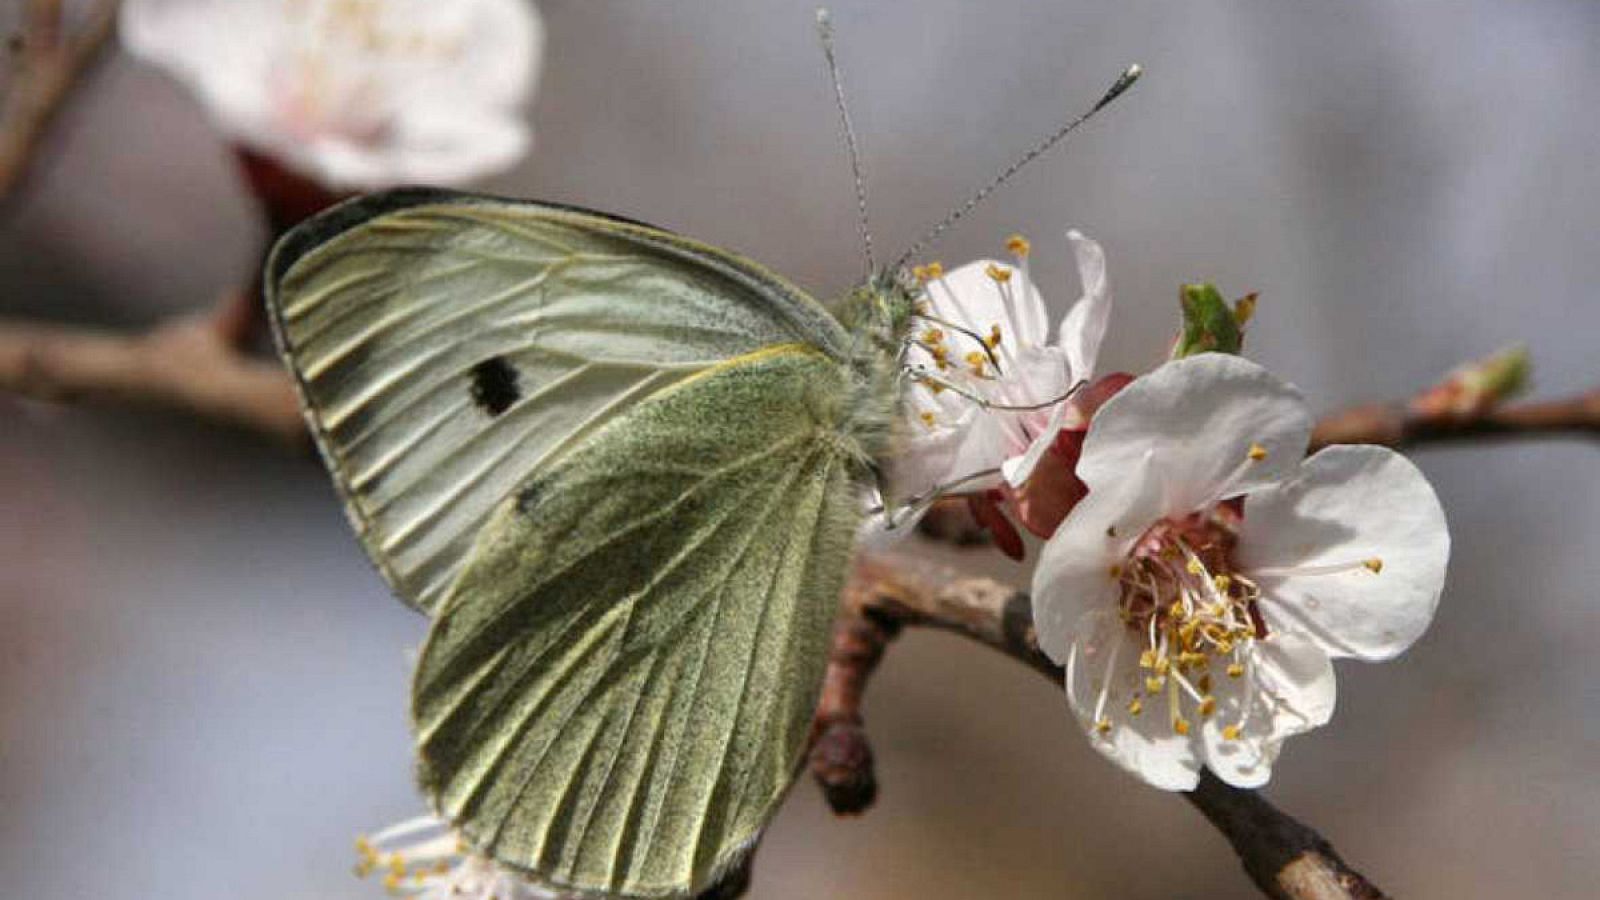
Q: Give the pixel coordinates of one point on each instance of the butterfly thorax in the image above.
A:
(878, 314)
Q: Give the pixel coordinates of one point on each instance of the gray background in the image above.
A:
(202, 685)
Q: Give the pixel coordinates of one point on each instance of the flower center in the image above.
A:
(1191, 609)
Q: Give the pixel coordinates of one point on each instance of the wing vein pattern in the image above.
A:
(448, 346)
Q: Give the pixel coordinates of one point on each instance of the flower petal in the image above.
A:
(1085, 325)
(970, 298)
(1349, 505)
(1217, 424)
(1075, 573)
(1102, 676)
(1293, 692)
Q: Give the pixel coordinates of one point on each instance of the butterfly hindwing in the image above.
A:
(617, 692)
(449, 346)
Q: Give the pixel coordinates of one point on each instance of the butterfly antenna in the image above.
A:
(1123, 82)
(825, 34)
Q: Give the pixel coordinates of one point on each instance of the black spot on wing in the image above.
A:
(494, 385)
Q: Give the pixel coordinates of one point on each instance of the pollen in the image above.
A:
(933, 336)
(1236, 670)
(1374, 565)
(993, 340)
(1154, 684)
(1208, 705)
(1180, 725)
(935, 270)
(1230, 732)
(1194, 566)
(1000, 274)
(927, 418)
(1222, 582)
(975, 360)
(1135, 706)
(1019, 246)
(1257, 452)
(1103, 726)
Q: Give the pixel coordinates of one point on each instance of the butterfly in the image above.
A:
(621, 470)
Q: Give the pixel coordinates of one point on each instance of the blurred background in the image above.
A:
(203, 685)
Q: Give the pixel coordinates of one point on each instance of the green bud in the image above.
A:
(1209, 323)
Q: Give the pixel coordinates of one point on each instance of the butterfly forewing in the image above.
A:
(618, 690)
(449, 346)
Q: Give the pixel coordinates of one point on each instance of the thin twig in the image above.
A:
(1286, 859)
(46, 63)
(196, 364)
(1394, 426)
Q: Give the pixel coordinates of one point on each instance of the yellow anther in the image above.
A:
(927, 418)
(397, 865)
(1115, 572)
(1236, 670)
(1224, 646)
(391, 883)
(1000, 274)
(1180, 725)
(935, 386)
(975, 361)
(993, 340)
(1147, 659)
(1230, 732)
(1257, 452)
(933, 336)
(939, 352)
(934, 269)
(920, 273)
(921, 307)
(1208, 705)
(1194, 566)
(1222, 582)
(1374, 565)
(441, 868)
(1103, 726)
(1163, 666)
(1019, 246)
(419, 876)
(1204, 683)
(363, 868)
(1135, 706)
(1155, 684)
(1177, 611)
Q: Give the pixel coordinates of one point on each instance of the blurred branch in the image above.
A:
(1285, 858)
(196, 364)
(46, 60)
(1398, 426)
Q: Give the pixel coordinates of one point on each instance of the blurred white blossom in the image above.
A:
(1196, 630)
(425, 859)
(356, 94)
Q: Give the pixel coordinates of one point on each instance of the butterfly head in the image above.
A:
(881, 309)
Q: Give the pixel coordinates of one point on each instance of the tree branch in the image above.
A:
(1397, 426)
(1286, 859)
(196, 364)
(47, 62)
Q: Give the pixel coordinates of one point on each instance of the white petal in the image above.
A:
(1294, 693)
(1018, 468)
(970, 298)
(1144, 745)
(1085, 325)
(1074, 576)
(1200, 416)
(1347, 505)
(356, 97)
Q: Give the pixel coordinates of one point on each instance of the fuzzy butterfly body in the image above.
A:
(622, 471)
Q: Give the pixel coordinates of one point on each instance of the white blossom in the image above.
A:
(423, 858)
(356, 94)
(1196, 631)
(990, 387)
